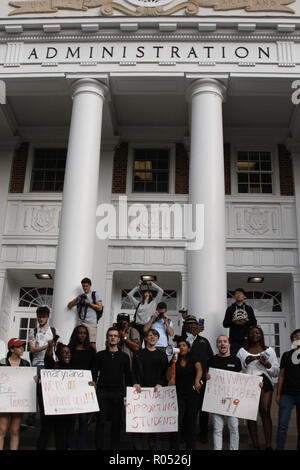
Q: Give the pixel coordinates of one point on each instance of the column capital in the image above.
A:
(206, 85)
(89, 85)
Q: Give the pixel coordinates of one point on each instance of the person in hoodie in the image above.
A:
(238, 318)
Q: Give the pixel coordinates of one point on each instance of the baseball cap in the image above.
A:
(15, 343)
(123, 316)
(183, 310)
(191, 319)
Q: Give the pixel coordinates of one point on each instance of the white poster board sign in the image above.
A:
(150, 411)
(17, 390)
(68, 392)
(232, 394)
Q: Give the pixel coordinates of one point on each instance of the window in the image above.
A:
(48, 170)
(268, 301)
(26, 324)
(151, 170)
(254, 172)
(35, 296)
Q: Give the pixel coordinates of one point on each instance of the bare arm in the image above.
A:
(148, 325)
(279, 385)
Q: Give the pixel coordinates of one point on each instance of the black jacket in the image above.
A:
(238, 332)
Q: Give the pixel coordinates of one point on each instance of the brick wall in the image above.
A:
(120, 168)
(17, 177)
(286, 177)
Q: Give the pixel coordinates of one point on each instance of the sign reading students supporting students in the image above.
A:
(17, 390)
(232, 394)
(150, 411)
(68, 392)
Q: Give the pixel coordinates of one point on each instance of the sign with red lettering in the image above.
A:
(232, 394)
(68, 392)
(150, 411)
(17, 390)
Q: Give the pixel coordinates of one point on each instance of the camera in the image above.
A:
(120, 325)
(55, 338)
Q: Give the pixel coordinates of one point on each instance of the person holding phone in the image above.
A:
(160, 322)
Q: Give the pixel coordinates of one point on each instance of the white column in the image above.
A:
(75, 257)
(295, 154)
(207, 266)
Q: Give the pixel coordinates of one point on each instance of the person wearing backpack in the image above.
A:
(38, 340)
(89, 309)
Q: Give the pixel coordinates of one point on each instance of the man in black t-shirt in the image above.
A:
(238, 318)
(225, 361)
(111, 372)
(149, 369)
(288, 390)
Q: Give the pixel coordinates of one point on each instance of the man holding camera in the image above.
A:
(160, 322)
(89, 309)
(129, 336)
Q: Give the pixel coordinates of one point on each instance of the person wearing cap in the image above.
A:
(129, 336)
(238, 318)
(13, 359)
(184, 313)
(202, 351)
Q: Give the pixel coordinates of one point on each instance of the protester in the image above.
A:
(202, 351)
(13, 359)
(160, 322)
(111, 372)
(288, 390)
(145, 307)
(187, 378)
(82, 358)
(129, 336)
(184, 313)
(38, 339)
(224, 361)
(60, 425)
(89, 309)
(238, 318)
(258, 359)
(149, 370)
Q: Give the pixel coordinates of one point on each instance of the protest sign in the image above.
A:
(150, 411)
(17, 390)
(68, 392)
(232, 394)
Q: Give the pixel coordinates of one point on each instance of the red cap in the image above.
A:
(15, 342)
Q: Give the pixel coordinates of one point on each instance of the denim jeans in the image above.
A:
(286, 405)
(233, 426)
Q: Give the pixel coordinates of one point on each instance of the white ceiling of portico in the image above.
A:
(36, 108)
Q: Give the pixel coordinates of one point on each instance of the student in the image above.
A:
(89, 309)
(188, 375)
(60, 425)
(238, 318)
(38, 339)
(146, 307)
(149, 370)
(288, 390)
(258, 359)
(225, 361)
(82, 358)
(129, 336)
(160, 322)
(13, 359)
(111, 372)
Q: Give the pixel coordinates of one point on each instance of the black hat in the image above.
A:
(124, 317)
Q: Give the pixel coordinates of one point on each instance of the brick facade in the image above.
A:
(18, 172)
(286, 177)
(120, 168)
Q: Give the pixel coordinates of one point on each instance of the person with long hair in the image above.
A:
(60, 425)
(258, 359)
(187, 375)
(146, 307)
(13, 359)
(82, 358)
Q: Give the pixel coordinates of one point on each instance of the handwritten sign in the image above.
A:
(232, 394)
(17, 390)
(151, 411)
(68, 392)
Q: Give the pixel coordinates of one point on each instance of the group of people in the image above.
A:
(136, 354)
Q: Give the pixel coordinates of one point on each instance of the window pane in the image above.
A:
(150, 170)
(254, 165)
(48, 168)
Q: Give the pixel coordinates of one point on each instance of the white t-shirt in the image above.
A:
(256, 368)
(160, 326)
(40, 339)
